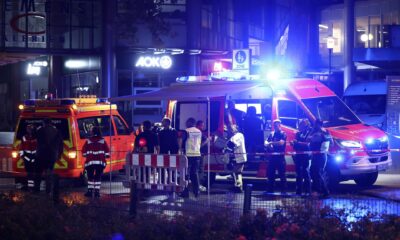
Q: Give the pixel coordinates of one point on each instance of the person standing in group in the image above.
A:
(276, 144)
(302, 159)
(147, 140)
(49, 150)
(237, 149)
(320, 140)
(253, 132)
(95, 150)
(168, 138)
(232, 115)
(28, 154)
(191, 143)
(203, 150)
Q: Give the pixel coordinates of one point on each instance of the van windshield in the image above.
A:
(331, 110)
(60, 123)
(367, 104)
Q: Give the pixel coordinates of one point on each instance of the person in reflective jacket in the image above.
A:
(95, 150)
(28, 154)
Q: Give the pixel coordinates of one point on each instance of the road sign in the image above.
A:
(241, 60)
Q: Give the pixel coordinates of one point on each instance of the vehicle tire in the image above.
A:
(367, 179)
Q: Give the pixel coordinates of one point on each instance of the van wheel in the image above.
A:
(367, 179)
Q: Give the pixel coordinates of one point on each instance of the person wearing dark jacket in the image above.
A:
(302, 158)
(276, 145)
(28, 154)
(95, 150)
(49, 150)
(320, 140)
(147, 140)
(168, 138)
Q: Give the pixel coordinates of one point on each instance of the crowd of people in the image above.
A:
(42, 147)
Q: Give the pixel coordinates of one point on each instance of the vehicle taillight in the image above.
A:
(14, 154)
(72, 154)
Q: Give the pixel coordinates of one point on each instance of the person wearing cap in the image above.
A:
(276, 144)
(95, 150)
(319, 139)
(302, 158)
(28, 154)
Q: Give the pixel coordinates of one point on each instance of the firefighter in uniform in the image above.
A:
(96, 151)
(301, 159)
(319, 144)
(276, 144)
(192, 144)
(237, 149)
(28, 154)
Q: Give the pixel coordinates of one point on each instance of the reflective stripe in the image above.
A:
(94, 152)
(90, 186)
(21, 153)
(97, 187)
(30, 152)
(90, 183)
(95, 163)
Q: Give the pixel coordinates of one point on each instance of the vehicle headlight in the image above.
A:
(349, 143)
(384, 139)
(72, 154)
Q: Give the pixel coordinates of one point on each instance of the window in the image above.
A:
(86, 124)
(60, 123)
(197, 110)
(122, 129)
(290, 113)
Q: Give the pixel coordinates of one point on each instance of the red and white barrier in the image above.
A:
(157, 172)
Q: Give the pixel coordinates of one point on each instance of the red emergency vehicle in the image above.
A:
(74, 118)
(359, 151)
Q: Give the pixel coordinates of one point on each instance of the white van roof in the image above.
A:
(192, 91)
(366, 88)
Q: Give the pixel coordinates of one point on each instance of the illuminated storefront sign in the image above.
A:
(164, 62)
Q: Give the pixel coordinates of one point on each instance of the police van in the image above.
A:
(359, 151)
(74, 118)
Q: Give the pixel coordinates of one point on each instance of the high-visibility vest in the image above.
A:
(96, 151)
(193, 142)
(28, 148)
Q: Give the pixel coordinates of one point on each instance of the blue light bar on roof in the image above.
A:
(102, 100)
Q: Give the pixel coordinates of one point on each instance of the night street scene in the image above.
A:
(199, 119)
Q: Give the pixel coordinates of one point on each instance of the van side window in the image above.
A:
(289, 113)
(85, 124)
(122, 129)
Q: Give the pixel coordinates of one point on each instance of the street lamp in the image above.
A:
(330, 43)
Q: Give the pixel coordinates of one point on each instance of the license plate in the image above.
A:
(381, 167)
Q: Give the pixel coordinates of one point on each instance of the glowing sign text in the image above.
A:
(164, 62)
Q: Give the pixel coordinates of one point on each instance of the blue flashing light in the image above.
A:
(274, 75)
(102, 100)
(369, 141)
(29, 102)
(67, 102)
(338, 158)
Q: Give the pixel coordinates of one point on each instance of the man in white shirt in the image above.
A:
(191, 147)
(236, 147)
